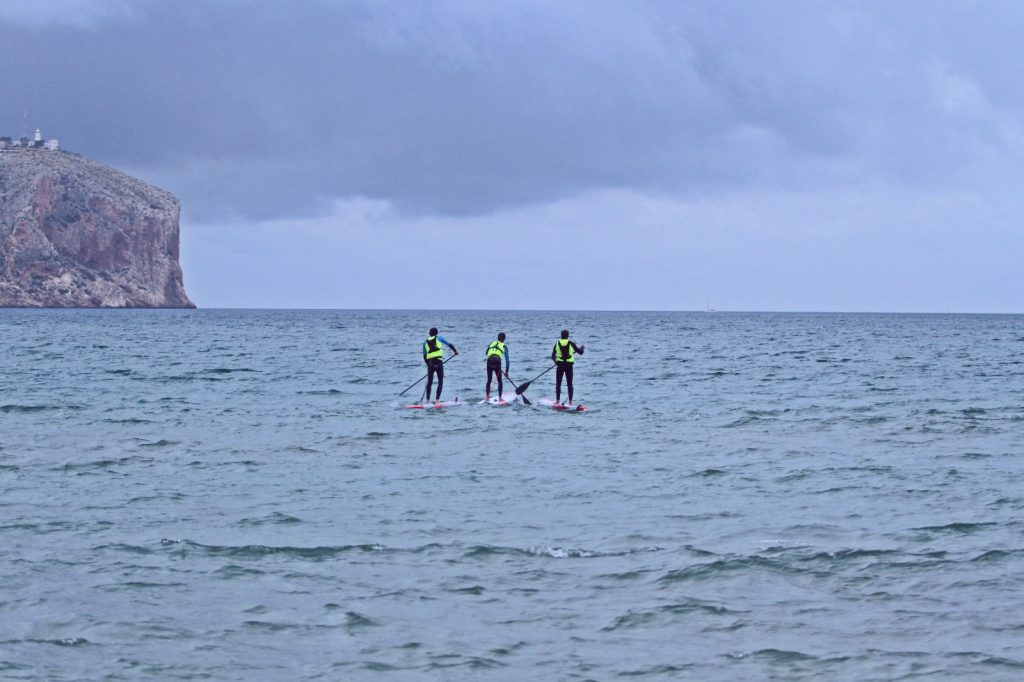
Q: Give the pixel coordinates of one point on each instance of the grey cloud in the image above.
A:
(80, 13)
(273, 108)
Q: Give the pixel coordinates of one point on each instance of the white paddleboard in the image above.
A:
(567, 407)
(506, 398)
(436, 406)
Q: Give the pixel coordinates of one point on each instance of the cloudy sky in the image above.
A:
(553, 154)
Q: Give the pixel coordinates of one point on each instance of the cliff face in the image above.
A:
(77, 234)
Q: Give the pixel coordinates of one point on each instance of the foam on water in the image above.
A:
(239, 495)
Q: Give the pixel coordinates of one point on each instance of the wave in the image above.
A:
(660, 670)
(458, 661)
(354, 619)
(162, 443)
(746, 420)
(999, 554)
(633, 618)
(36, 408)
(714, 569)
(475, 590)
(785, 561)
(228, 370)
(272, 518)
(776, 655)
(478, 551)
(213, 374)
(235, 571)
(707, 473)
(95, 464)
(260, 551)
(961, 528)
(122, 547)
(60, 641)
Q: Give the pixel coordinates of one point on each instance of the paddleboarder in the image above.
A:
(432, 353)
(564, 355)
(496, 350)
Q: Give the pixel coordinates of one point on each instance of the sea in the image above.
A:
(244, 495)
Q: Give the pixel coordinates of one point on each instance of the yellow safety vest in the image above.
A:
(496, 348)
(564, 351)
(433, 348)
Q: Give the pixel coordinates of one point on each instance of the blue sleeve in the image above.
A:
(443, 340)
(506, 359)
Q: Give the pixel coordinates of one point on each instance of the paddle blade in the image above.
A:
(522, 387)
(526, 401)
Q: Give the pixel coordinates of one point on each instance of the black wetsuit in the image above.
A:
(563, 368)
(435, 366)
(494, 367)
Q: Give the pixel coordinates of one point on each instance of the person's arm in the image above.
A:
(554, 348)
(506, 360)
(578, 349)
(445, 342)
(423, 347)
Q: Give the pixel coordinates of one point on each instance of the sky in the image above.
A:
(537, 154)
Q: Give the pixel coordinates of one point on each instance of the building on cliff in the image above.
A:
(38, 142)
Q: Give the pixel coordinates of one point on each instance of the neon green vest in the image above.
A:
(496, 348)
(433, 347)
(564, 351)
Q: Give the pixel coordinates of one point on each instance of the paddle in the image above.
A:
(424, 377)
(522, 387)
(519, 392)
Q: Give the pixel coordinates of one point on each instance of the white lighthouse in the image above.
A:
(39, 137)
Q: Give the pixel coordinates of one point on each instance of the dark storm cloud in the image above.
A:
(266, 109)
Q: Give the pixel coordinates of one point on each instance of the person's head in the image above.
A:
(565, 333)
(501, 337)
(433, 331)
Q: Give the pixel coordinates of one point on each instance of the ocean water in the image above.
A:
(240, 495)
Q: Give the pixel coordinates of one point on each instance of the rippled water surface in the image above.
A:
(241, 495)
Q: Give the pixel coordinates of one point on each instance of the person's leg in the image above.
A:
(440, 380)
(559, 371)
(430, 380)
(568, 381)
(490, 370)
(497, 371)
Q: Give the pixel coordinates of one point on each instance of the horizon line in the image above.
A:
(537, 310)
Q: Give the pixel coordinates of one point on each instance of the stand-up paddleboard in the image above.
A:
(503, 400)
(436, 406)
(550, 402)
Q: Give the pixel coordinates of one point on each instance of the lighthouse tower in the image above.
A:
(39, 136)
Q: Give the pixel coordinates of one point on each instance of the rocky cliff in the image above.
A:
(77, 234)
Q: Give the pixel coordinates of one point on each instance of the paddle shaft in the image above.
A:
(518, 392)
(424, 377)
(522, 387)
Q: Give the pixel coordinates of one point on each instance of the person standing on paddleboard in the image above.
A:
(495, 352)
(432, 352)
(564, 355)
